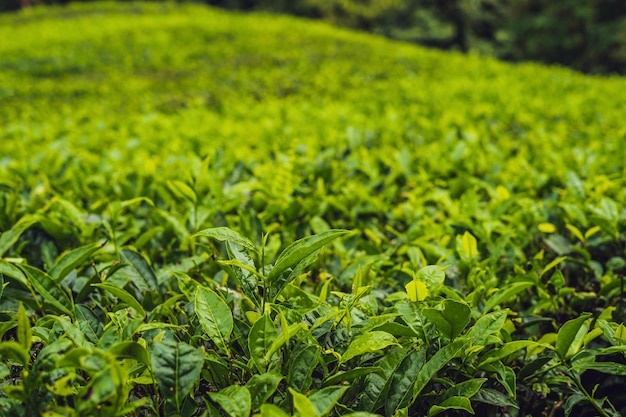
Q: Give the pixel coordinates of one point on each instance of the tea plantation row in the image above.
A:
(459, 223)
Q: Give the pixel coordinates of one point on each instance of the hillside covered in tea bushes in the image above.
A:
(459, 223)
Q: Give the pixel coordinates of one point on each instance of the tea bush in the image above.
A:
(211, 213)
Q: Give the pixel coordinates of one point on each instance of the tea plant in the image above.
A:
(205, 213)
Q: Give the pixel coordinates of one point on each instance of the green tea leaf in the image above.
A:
(246, 279)
(105, 393)
(376, 386)
(215, 317)
(225, 234)
(24, 332)
(303, 406)
(49, 290)
(433, 276)
(9, 237)
(262, 334)
(451, 320)
(12, 271)
(416, 290)
(284, 337)
(143, 276)
(552, 264)
(436, 362)
(612, 368)
(508, 349)
(572, 400)
(325, 399)
(235, 400)
(261, 387)
(301, 249)
(301, 368)
(569, 335)
(71, 260)
(466, 389)
(505, 294)
(487, 325)
(402, 381)
(354, 373)
(73, 331)
(182, 190)
(14, 351)
(131, 350)
(270, 410)
(494, 397)
(369, 342)
(124, 296)
(176, 368)
(452, 403)
(469, 245)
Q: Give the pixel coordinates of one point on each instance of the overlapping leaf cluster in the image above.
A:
(205, 213)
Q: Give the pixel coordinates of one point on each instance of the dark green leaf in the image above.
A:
(466, 388)
(376, 387)
(451, 320)
(302, 366)
(261, 336)
(572, 401)
(612, 368)
(436, 362)
(131, 350)
(143, 276)
(402, 381)
(262, 387)
(176, 368)
(246, 279)
(349, 376)
(9, 237)
(71, 260)
(215, 317)
(493, 397)
(49, 290)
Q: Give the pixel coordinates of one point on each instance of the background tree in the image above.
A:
(588, 35)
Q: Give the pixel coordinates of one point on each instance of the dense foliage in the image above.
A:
(206, 213)
(588, 35)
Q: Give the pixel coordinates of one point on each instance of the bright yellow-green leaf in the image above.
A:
(470, 247)
(576, 232)
(503, 193)
(592, 231)
(547, 228)
(416, 290)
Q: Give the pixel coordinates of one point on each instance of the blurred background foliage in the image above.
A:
(587, 35)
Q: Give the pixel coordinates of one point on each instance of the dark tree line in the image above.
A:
(588, 35)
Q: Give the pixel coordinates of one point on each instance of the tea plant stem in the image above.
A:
(426, 339)
(589, 397)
